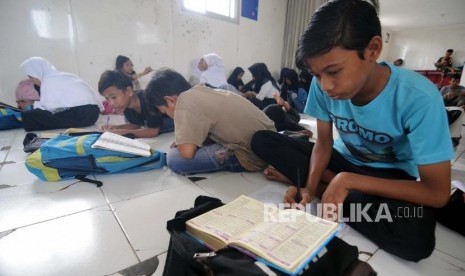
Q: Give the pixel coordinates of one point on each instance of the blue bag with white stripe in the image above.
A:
(66, 157)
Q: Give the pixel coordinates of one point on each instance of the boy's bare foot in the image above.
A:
(274, 175)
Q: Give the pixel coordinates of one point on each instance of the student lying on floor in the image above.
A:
(143, 121)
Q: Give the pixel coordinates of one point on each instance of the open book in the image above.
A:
(284, 239)
(112, 141)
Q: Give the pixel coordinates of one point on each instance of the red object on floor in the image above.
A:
(435, 76)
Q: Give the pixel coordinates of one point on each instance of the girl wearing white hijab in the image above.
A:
(212, 69)
(65, 99)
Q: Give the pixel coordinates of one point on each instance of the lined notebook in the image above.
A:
(115, 142)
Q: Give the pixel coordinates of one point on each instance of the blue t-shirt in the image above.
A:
(404, 126)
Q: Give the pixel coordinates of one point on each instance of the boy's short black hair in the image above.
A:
(450, 51)
(165, 82)
(114, 78)
(350, 24)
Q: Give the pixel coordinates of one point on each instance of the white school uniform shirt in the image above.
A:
(59, 90)
(215, 74)
(267, 91)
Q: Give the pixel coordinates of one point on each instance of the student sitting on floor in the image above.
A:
(264, 86)
(454, 93)
(125, 66)
(143, 120)
(212, 68)
(283, 86)
(296, 94)
(65, 99)
(214, 127)
(454, 100)
(235, 79)
(392, 128)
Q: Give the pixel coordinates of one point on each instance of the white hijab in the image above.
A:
(59, 89)
(214, 75)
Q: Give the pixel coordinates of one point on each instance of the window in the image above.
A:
(222, 9)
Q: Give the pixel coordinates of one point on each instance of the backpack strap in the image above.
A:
(83, 178)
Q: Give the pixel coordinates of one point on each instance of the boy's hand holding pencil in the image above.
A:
(107, 126)
(291, 193)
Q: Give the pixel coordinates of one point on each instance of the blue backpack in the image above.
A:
(10, 118)
(65, 157)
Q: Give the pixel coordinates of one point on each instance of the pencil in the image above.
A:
(108, 123)
(298, 196)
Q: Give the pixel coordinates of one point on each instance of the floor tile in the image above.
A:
(18, 140)
(17, 174)
(458, 175)
(229, 186)
(450, 242)
(3, 154)
(459, 165)
(17, 155)
(161, 143)
(118, 187)
(31, 203)
(273, 193)
(88, 243)
(437, 264)
(144, 218)
(162, 259)
(142, 268)
(5, 144)
(9, 134)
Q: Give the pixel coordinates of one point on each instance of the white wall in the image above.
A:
(421, 48)
(85, 36)
(387, 42)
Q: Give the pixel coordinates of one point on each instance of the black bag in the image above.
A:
(453, 115)
(340, 257)
(32, 142)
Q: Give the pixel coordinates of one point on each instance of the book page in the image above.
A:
(229, 220)
(112, 141)
(289, 243)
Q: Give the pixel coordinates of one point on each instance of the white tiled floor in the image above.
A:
(84, 230)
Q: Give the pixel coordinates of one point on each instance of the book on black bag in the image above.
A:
(187, 256)
(287, 240)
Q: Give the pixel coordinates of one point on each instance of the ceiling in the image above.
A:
(410, 14)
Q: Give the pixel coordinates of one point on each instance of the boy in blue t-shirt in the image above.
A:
(142, 120)
(391, 163)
